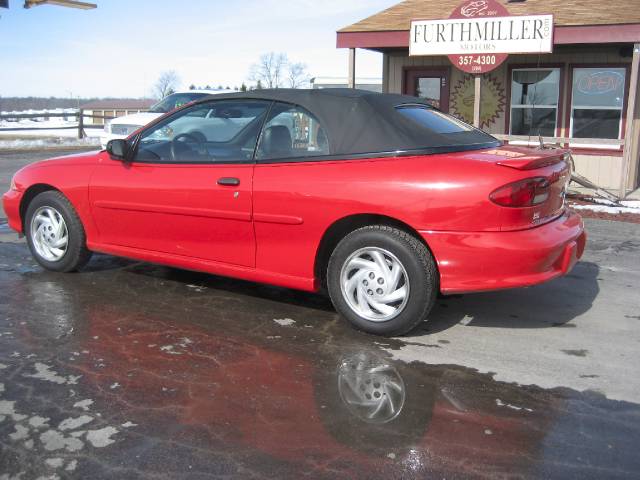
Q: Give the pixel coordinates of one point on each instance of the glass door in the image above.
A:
(431, 85)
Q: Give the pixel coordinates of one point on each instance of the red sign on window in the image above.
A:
(600, 82)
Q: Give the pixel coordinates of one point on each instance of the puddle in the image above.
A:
(122, 371)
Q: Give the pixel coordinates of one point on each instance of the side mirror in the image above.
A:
(118, 148)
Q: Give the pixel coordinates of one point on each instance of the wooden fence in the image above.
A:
(78, 115)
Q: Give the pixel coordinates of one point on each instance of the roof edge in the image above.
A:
(563, 35)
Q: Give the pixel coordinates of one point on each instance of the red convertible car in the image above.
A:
(381, 199)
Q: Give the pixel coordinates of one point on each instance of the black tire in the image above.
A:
(77, 254)
(420, 269)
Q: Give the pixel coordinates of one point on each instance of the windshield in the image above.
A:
(174, 101)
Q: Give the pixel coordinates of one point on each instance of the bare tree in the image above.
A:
(269, 70)
(166, 84)
(297, 74)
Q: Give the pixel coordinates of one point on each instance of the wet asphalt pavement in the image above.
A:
(130, 370)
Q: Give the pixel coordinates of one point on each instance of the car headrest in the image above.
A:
(323, 142)
(276, 142)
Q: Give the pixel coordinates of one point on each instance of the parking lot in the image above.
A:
(131, 370)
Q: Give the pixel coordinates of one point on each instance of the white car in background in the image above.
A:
(124, 126)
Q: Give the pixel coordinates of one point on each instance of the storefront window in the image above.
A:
(534, 101)
(596, 102)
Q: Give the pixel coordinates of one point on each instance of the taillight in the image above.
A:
(523, 193)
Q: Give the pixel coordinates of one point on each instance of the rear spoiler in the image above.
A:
(531, 162)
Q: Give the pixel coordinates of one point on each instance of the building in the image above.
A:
(114, 108)
(363, 83)
(580, 93)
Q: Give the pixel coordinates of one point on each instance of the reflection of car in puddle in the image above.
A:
(227, 392)
(372, 390)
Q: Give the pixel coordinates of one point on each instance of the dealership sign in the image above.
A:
(479, 35)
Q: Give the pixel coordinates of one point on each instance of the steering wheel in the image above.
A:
(192, 138)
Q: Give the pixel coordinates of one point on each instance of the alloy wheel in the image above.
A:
(49, 234)
(374, 284)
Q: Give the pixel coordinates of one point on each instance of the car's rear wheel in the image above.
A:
(382, 279)
(55, 234)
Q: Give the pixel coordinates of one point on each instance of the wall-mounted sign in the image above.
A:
(480, 34)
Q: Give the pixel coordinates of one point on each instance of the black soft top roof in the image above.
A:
(360, 121)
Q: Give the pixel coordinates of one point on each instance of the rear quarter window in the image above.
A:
(433, 120)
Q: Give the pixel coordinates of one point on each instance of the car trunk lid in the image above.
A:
(537, 192)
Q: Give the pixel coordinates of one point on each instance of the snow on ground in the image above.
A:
(629, 206)
(41, 132)
(47, 142)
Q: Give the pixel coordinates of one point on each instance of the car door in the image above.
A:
(186, 188)
(287, 188)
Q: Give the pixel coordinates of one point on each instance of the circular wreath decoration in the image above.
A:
(492, 102)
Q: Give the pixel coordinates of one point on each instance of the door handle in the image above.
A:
(229, 181)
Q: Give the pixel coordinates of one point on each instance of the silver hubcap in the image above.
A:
(372, 390)
(49, 234)
(374, 284)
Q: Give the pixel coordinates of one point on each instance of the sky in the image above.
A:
(120, 48)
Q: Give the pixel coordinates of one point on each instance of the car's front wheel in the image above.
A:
(55, 234)
(382, 279)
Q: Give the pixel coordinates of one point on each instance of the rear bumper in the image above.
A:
(478, 261)
(11, 205)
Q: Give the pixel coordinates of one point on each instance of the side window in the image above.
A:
(433, 120)
(291, 132)
(221, 131)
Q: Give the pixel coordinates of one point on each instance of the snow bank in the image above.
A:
(48, 142)
(604, 206)
(52, 132)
